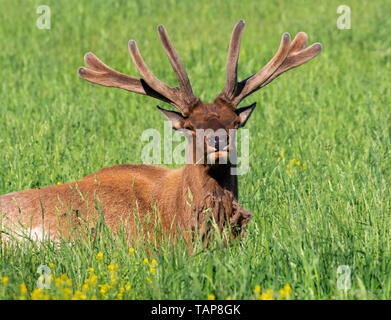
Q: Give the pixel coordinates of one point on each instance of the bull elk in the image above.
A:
(183, 197)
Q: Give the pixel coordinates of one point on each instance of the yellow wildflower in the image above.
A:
(149, 280)
(4, 281)
(84, 287)
(228, 298)
(128, 287)
(257, 289)
(154, 262)
(93, 280)
(298, 162)
(286, 291)
(131, 250)
(58, 182)
(211, 296)
(268, 295)
(23, 288)
(36, 294)
(146, 260)
(51, 265)
(304, 165)
(278, 159)
(120, 296)
(152, 270)
(91, 270)
(99, 256)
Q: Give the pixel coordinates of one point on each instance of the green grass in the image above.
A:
(333, 113)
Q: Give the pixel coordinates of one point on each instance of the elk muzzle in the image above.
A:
(217, 146)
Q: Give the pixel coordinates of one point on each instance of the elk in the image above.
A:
(181, 196)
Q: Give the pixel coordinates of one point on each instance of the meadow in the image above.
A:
(320, 137)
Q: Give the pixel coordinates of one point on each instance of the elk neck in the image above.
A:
(211, 179)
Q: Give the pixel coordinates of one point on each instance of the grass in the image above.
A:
(332, 114)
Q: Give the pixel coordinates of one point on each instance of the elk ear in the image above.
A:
(176, 118)
(244, 114)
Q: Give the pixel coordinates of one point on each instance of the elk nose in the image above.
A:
(219, 142)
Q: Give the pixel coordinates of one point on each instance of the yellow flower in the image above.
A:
(268, 295)
(282, 153)
(298, 162)
(58, 182)
(122, 289)
(257, 289)
(23, 288)
(286, 291)
(287, 166)
(51, 265)
(69, 282)
(293, 160)
(84, 287)
(228, 298)
(93, 280)
(37, 294)
(99, 256)
(22, 298)
(149, 280)
(91, 270)
(67, 292)
(154, 262)
(278, 159)
(113, 282)
(146, 260)
(131, 250)
(211, 296)
(128, 287)
(304, 165)
(120, 296)
(4, 281)
(151, 270)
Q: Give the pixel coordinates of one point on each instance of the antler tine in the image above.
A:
(255, 81)
(232, 62)
(99, 73)
(147, 74)
(297, 59)
(102, 74)
(179, 69)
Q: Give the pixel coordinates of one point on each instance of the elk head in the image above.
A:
(218, 120)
